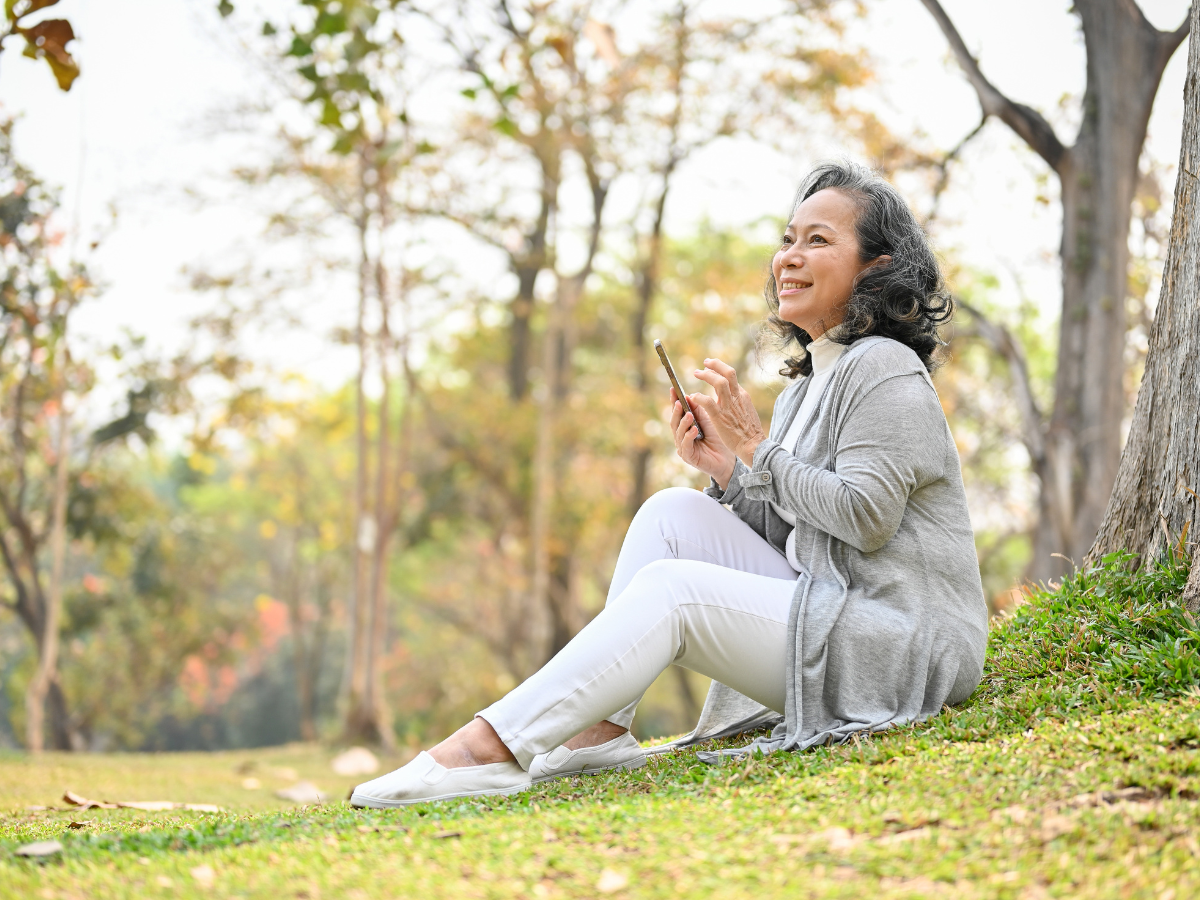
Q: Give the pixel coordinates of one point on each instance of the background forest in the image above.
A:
(210, 543)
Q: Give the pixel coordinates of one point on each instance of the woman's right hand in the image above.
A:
(710, 455)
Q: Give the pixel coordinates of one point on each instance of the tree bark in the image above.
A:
(1154, 501)
(1126, 57)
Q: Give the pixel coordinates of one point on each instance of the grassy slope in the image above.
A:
(1074, 771)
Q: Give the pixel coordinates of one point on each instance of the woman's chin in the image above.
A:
(793, 314)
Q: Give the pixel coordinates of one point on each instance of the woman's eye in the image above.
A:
(786, 240)
(817, 239)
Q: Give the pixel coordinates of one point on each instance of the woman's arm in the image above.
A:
(891, 442)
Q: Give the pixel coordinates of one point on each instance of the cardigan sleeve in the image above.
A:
(890, 443)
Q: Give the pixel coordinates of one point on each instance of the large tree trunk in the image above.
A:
(1125, 61)
(1075, 455)
(1155, 497)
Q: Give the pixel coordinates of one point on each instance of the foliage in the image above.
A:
(46, 39)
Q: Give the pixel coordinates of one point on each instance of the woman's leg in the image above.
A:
(729, 625)
(679, 523)
(674, 524)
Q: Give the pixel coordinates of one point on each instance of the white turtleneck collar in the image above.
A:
(824, 353)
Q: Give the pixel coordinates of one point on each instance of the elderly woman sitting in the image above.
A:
(828, 573)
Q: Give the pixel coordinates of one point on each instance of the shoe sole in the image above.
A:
(363, 802)
(619, 767)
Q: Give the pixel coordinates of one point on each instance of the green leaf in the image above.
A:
(469, 93)
(300, 47)
(330, 23)
(511, 91)
(269, 30)
(425, 147)
(225, 8)
(331, 116)
(507, 126)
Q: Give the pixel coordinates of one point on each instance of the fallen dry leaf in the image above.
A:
(40, 848)
(146, 805)
(442, 835)
(838, 839)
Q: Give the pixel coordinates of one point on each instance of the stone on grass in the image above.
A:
(611, 881)
(301, 792)
(355, 761)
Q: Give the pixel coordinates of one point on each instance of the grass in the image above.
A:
(1074, 771)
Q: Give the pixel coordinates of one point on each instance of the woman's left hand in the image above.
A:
(731, 410)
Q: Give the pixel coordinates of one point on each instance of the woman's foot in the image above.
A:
(472, 762)
(475, 744)
(604, 747)
(600, 733)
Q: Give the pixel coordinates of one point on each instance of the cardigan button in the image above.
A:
(766, 477)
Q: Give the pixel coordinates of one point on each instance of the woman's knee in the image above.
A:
(653, 589)
(675, 501)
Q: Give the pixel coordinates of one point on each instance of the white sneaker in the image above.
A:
(622, 752)
(425, 779)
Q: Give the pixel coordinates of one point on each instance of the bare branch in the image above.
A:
(1169, 41)
(944, 169)
(1003, 342)
(1028, 123)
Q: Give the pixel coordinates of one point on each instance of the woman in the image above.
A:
(830, 572)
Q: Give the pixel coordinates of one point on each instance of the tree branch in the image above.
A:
(1028, 123)
(944, 169)
(1003, 342)
(1169, 41)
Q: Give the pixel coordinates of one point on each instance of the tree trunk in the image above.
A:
(1098, 178)
(1155, 498)
(355, 727)
(527, 267)
(1080, 445)
(378, 710)
(47, 668)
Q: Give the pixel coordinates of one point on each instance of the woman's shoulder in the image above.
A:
(874, 358)
(885, 353)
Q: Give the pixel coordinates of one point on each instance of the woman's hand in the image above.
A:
(710, 456)
(731, 411)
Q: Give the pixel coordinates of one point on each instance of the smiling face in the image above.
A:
(818, 261)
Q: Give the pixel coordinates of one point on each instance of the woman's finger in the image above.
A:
(719, 384)
(682, 425)
(725, 370)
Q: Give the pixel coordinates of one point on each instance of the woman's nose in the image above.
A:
(792, 258)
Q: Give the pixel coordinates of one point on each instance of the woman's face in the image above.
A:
(816, 266)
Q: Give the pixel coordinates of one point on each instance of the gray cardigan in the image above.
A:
(888, 621)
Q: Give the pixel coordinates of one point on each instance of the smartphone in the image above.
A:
(662, 355)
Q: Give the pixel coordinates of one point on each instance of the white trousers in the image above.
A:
(695, 586)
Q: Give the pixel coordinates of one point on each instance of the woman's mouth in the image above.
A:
(791, 288)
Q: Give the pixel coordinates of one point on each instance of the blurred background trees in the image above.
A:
(239, 555)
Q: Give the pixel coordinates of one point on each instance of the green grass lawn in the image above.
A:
(1073, 772)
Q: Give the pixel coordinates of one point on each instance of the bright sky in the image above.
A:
(139, 134)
